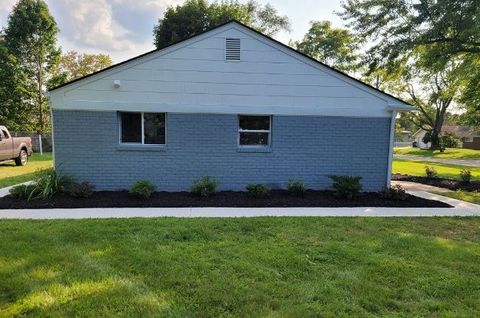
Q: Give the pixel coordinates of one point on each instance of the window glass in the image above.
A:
(154, 126)
(131, 125)
(5, 134)
(254, 139)
(254, 122)
(254, 130)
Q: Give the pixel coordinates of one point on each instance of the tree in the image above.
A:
(14, 95)
(448, 31)
(31, 37)
(196, 16)
(74, 65)
(336, 47)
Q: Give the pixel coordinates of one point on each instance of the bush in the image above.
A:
(397, 193)
(22, 191)
(296, 187)
(430, 172)
(449, 140)
(204, 187)
(142, 189)
(466, 175)
(80, 190)
(346, 186)
(47, 183)
(258, 190)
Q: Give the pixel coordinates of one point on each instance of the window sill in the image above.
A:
(254, 149)
(159, 148)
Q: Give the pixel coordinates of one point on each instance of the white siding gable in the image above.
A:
(195, 77)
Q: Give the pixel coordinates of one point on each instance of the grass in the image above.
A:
(417, 168)
(11, 174)
(473, 197)
(278, 267)
(450, 153)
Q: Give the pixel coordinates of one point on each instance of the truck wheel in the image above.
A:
(22, 158)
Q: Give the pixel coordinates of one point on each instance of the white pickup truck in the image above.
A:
(14, 148)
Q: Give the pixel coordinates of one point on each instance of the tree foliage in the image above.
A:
(31, 37)
(336, 47)
(74, 65)
(196, 16)
(14, 95)
(447, 31)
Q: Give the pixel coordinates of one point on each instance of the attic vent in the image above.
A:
(232, 49)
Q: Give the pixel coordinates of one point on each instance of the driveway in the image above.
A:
(460, 162)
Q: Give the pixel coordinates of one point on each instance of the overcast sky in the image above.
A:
(123, 28)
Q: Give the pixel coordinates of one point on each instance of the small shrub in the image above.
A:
(346, 186)
(47, 183)
(204, 187)
(466, 175)
(142, 189)
(430, 172)
(296, 187)
(258, 190)
(22, 191)
(397, 193)
(80, 190)
(449, 140)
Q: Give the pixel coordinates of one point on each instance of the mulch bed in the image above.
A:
(278, 198)
(440, 182)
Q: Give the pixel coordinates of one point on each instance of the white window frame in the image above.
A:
(468, 139)
(269, 131)
(143, 130)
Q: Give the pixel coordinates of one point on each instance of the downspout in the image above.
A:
(390, 148)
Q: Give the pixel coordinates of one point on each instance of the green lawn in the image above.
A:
(11, 174)
(276, 267)
(450, 153)
(417, 168)
(473, 197)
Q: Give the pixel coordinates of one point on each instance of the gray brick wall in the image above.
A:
(307, 148)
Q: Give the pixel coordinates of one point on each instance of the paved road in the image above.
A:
(460, 162)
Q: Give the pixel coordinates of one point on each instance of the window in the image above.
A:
(142, 128)
(254, 131)
(468, 139)
(5, 134)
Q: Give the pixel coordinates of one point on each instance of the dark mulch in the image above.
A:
(278, 198)
(440, 182)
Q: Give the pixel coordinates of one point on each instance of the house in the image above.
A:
(229, 103)
(469, 138)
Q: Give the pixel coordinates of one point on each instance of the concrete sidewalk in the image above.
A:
(460, 209)
(459, 162)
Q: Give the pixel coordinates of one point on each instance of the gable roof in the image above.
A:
(250, 29)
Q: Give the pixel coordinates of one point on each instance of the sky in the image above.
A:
(123, 28)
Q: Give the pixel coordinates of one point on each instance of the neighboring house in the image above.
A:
(229, 103)
(469, 138)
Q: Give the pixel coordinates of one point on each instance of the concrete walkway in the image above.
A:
(460, 209)
(460, 162)
(6, 191)
(413, 186)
